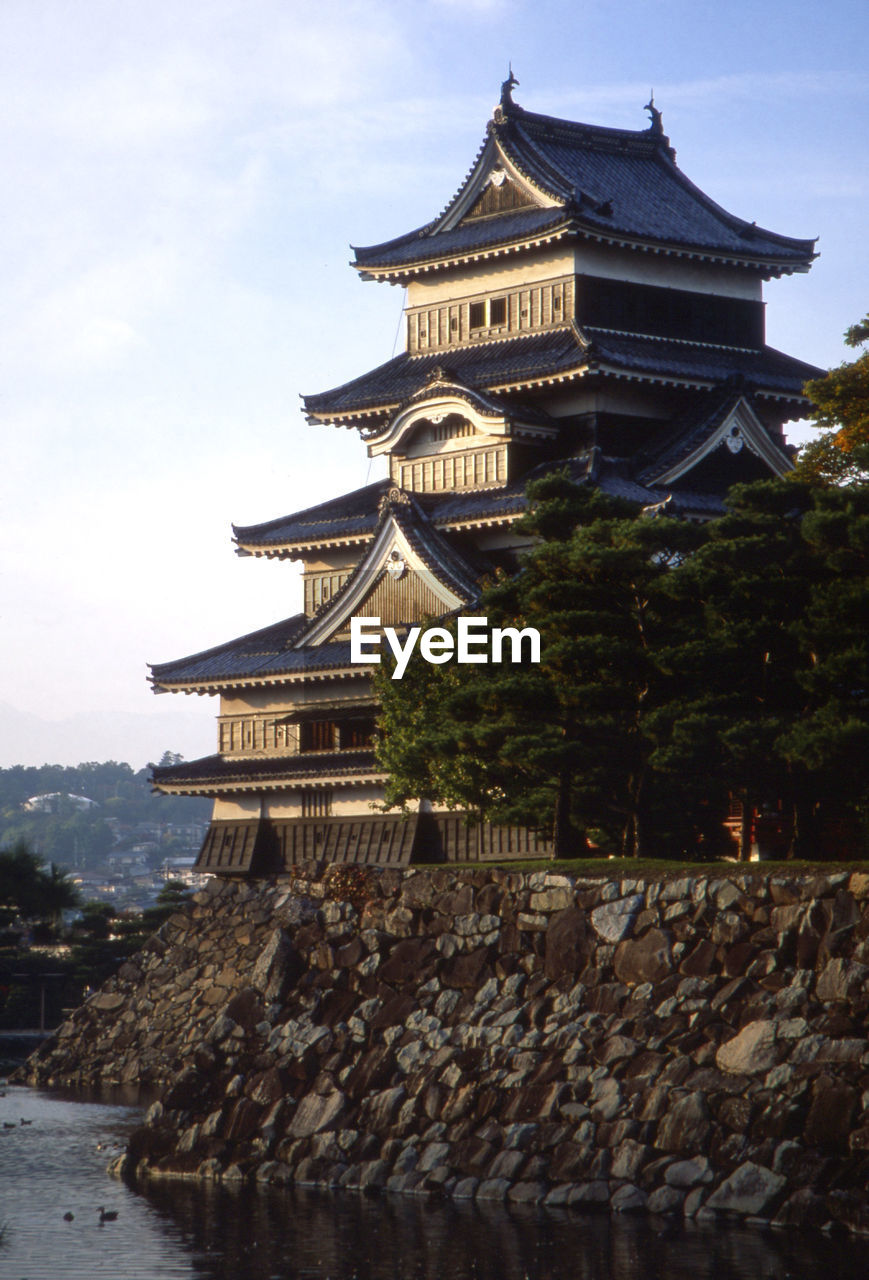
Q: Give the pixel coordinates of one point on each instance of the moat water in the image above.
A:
(55, 1164)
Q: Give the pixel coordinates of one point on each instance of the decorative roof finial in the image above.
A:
(507, 89)
(654, 114)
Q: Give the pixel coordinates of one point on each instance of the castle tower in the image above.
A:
(578, 303)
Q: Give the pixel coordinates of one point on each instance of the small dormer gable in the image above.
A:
(449, 436)
(495, 186)
(731, 434)
(409, 571)
(442, 415)
(500, 194)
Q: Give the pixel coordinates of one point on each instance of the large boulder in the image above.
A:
(646, 959)
(278, 967)
(613, 920)
(752, 1050)
(831, 1114)
(750, 1189)
(569, 944)
(318, 1110)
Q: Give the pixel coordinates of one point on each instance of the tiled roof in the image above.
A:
(559, 351)
(421, 245)
(687, 502)
(265, 654)
(618, 183)
(442, 384)
(351, 515)
(765, 369)
(438, 555)
(224, 770)
(482, 365)
(457, 508)
(442, 509)
(281, 649)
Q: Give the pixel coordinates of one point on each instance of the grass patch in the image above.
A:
(654, 868)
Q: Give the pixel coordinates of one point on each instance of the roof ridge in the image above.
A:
(647, 139)
(454, 563)
(664, 337)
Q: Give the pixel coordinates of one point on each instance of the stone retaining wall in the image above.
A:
(693, 1046)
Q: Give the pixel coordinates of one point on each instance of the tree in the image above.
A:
(173, 897)
(751, 579)
(831, 740)
(781, 674)
(562, 745)
(57, 893)
(30, 889)
(20, 873)
(680, 666)
(841, 397)
(96, 918)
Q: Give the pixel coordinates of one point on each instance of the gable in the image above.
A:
(494, 185)
(446, 414)
(394, 582)
(500, 195)
(740, 432)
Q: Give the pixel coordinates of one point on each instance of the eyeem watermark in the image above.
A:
(474, 642)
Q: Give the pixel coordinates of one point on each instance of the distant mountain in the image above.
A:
(104, 735)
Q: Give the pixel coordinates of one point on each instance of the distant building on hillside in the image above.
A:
(57, 801)
(580, 304)
(184, 870)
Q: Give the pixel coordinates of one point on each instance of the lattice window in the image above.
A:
(537, 306)
(318, 735)
(498, 311)
(355, 734)
(488, 314)
(317, 803)
(452, 429)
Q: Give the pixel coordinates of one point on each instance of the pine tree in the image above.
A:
(831, 740)
(752, 579)
(561, 746)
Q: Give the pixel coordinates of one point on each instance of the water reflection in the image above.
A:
(298, 1235)
(177, 1231)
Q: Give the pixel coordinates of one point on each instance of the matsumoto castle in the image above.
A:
(578, 303)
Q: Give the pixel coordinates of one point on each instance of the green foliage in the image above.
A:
(83, 837)
(679, 665)
(830, 741)
(841, 398)
(173, 897)
(31, 890)
(100, 943)
(562, 745)
(27, 978)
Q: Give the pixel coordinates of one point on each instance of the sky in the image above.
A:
(182, 184)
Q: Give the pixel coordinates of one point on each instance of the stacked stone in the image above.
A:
(142, 1026)
(694, 1045)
